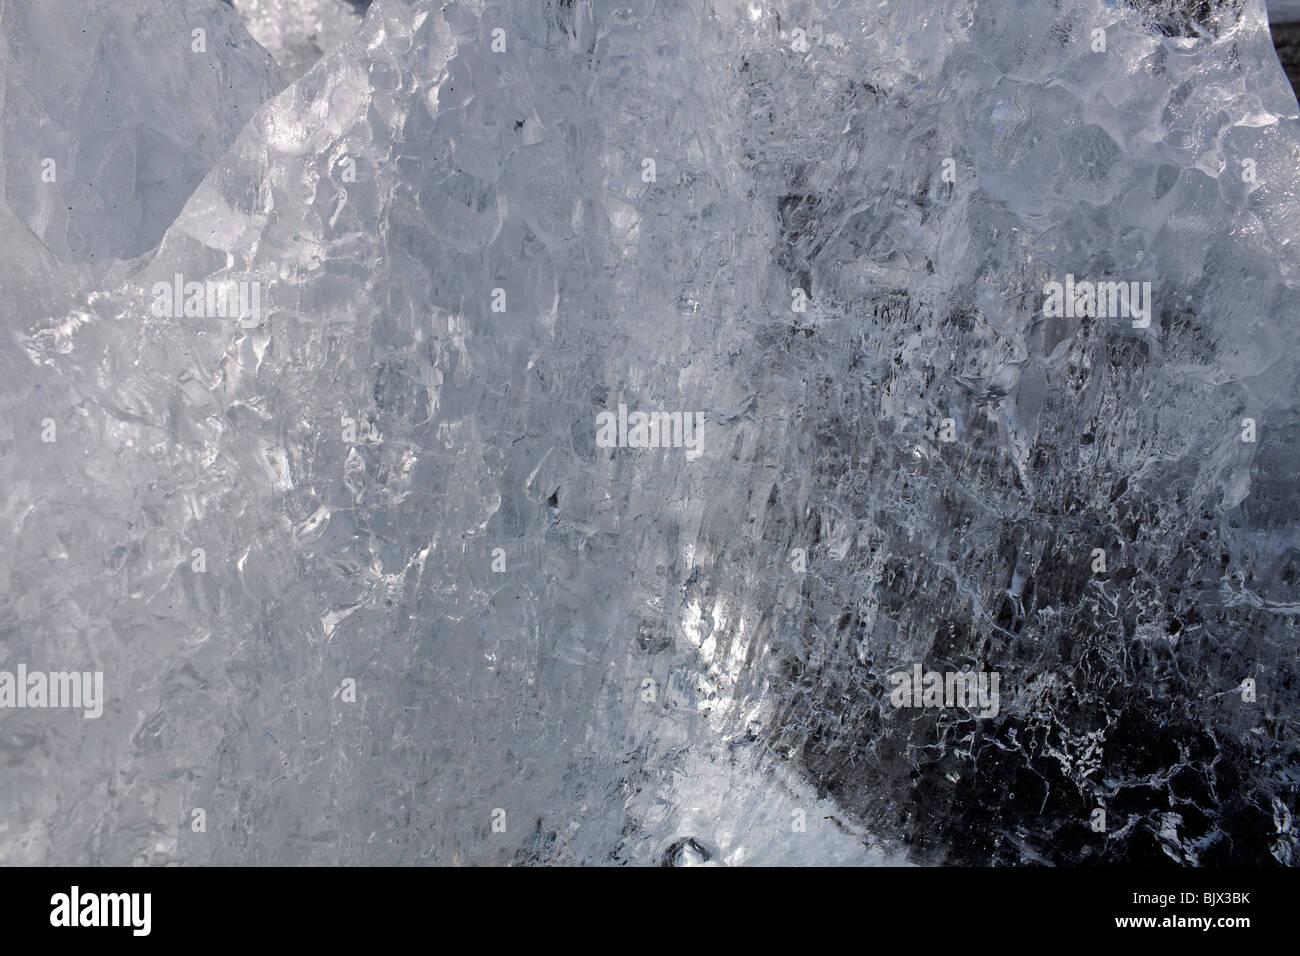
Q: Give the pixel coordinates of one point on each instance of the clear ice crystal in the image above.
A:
(380, 200)
(297, 32)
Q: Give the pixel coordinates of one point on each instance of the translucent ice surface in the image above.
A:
(297, 32)
(367, 585)
(111, 111)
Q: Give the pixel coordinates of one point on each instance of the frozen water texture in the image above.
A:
(297, 32)
(527, 690)
(110, 115)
